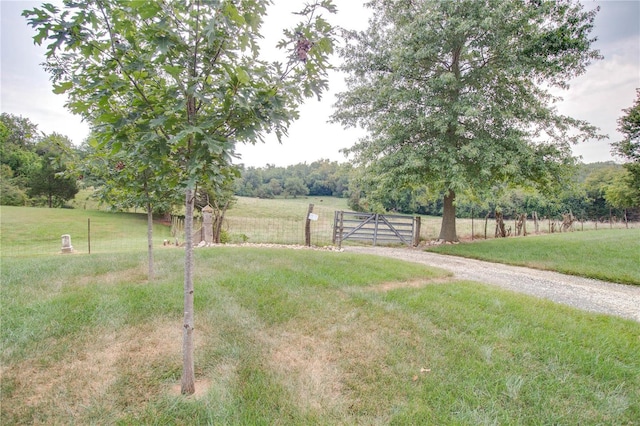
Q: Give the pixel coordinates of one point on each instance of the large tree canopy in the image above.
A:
(454, 94)
(629, 126)
(182, 80)
(629, 147)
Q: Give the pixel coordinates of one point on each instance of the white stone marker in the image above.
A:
(66, 244)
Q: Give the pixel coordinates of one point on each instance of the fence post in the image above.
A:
(472, 224)
(340, 230)
(89, 235)
(375, 230)
(307, 227)
(416, 232)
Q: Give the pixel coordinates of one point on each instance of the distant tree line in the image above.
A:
(593, 194)
(321, 178)
(47, 170)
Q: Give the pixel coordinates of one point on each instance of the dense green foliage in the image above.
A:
(33, 165)
(453, 96)
(320, 178)
(628, 192)
(588, 193)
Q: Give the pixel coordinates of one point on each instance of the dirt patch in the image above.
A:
(81, 376)
(395, 285)
(84, 375)
(132, 275)
(309, 369)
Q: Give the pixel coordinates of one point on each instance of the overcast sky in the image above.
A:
(597, 96)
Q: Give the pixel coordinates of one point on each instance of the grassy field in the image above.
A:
(302, 337)
(282, 221)
(29, 231)
(610, 255)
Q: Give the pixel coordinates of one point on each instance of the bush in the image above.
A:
(11, 195)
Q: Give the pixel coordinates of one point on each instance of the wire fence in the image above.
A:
(101, 235)
(283, 231)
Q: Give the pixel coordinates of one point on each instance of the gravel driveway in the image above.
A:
(582, 293)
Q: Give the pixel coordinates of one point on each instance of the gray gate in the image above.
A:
(377, 228)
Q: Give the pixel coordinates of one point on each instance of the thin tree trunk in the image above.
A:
(219, 219)
(448, 229)
(188, 375)
(150, 241)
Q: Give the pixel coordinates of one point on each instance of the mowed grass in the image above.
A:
(285, 208)
(610, 255)
(300, 337)
(28, 231)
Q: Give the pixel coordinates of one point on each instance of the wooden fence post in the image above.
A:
(472, 224)
(416, 232)
(340, 230)
(307, 227)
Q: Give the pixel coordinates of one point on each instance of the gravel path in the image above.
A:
(582, 293)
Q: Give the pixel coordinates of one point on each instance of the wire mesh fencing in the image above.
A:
(100, 232)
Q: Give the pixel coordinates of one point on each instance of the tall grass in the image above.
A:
(301, 337)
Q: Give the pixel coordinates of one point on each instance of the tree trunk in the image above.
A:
(151, 273)
(218, 221)
(448, 229)
(188, 376)
(500, 229)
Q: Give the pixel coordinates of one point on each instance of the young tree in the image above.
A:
(629, 147)
(131, 181)
(453, 93)
(185, 80)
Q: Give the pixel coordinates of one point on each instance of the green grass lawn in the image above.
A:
(28, 231)
(302, 337)
(610, 255)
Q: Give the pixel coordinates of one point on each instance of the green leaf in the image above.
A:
(242, 75)
(173, 71)
(116, 147)
(232, 12)
(62, 87)
(156, 122)
(163, 44)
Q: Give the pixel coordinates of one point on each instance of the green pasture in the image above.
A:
(286, 208)
(610, 254)
(28, 231)
(300, 337)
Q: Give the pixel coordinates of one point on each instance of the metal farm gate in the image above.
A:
(377, 228)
